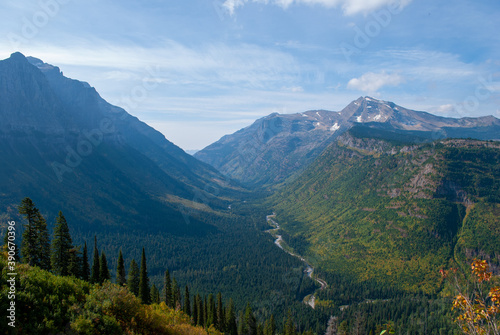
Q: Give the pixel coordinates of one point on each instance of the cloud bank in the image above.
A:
(350, 7)
(371, 82)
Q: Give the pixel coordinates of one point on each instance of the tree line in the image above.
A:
(61, 257)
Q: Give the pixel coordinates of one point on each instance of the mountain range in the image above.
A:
(59, 134)
(118, 179)
(277, 146)
(378, 198)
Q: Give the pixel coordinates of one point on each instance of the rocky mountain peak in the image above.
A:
(44, 67)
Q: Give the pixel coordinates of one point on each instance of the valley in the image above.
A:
(311, 298)
(370, 204)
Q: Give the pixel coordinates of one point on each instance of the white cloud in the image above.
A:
(215, 66)
(231, 5)
(371, 82)
(350, 7)
(294, 89)
(445, 109)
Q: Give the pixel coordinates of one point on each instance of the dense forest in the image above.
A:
(62, 288)
(73, 289)
(231, 278)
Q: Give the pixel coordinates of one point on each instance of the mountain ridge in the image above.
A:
(126, 184)
(55, 143)
(279, 145)
(394, 212)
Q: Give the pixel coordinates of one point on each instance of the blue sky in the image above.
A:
(197, 70)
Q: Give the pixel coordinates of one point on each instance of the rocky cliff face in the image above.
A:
(24, 93)
(277, 146)
(66, 147)
(273, 147)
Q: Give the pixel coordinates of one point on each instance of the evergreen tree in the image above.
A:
(28, 245)
(155, 295)
(242, 328)
(61, 246)
(344, 328)
(75, 263)
(205, 311)
(250, 321)
(175, 287)
(95, 276)
(178, 298)
(211, 316)
(231, 327)
(270, 326)
(187, 302)
(121, 278)
(195, 310)
(358, 325)
(85, 264)
(221, 319)
(133, 278)
(289, 328)
(167, 289)
(201, 311)
(42, 242)
(103, 269)
(144, 290)
(35, 246)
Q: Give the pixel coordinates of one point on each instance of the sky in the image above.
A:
(199, 69)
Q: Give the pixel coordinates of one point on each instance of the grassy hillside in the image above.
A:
(392, 213)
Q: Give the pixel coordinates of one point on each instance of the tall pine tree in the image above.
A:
(28, 245)
(201, 312)
(42, 242)
(175, 287)
(221, 318)
(75, 263)
(270, 326)
(121, 278)
(187, 302)
(35, 246)
(231, 327)
(195, 309)
(155, 295)
(211, 314)
(250, 321)
(144, 290)
(167, 289)
(61, 245)
(133, 278)
(103, 269)
(242, 329)
(289, 327)
(85, 264)
(95, 276)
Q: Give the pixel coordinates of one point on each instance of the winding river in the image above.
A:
(310, 299)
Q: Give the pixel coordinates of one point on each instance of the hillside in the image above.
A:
(74, 306)
(59, 134)
(116, 178)
(391, 214)
(279, 145)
